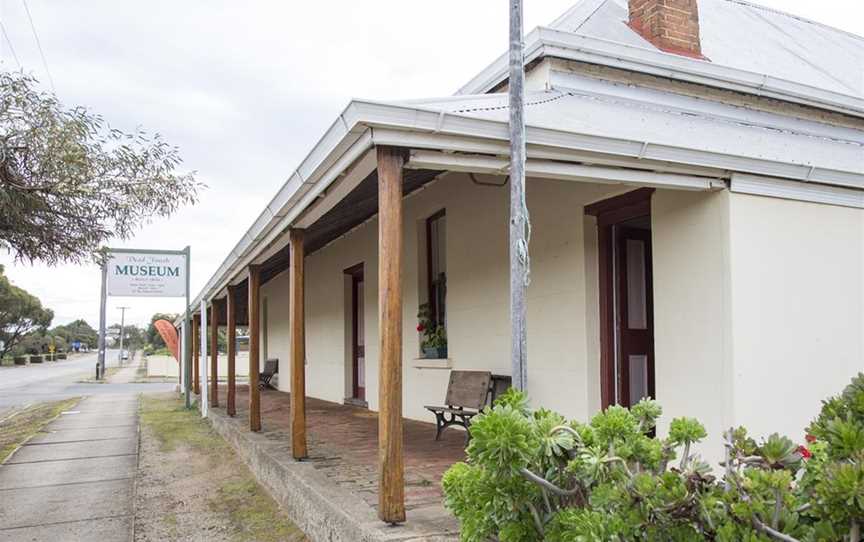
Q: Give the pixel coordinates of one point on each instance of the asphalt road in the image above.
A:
(50, 381)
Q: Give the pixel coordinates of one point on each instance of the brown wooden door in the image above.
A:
(358, 366)
(633, 315)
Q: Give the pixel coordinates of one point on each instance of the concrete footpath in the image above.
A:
(75, 480)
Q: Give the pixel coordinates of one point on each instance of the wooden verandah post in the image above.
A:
(214, 353)
(254, 347)
(196, 352)
(391, 491)
(231, 336)
(298, 345)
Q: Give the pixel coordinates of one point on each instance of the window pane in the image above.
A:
(637, 287)
(437, 236)
(638, 378)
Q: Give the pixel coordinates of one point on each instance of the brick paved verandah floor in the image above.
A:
(343, 444)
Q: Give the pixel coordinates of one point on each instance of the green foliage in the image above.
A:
(686, 431)
(69, 182)
(79, 330)
(20, 313)
(532, 475)
(432, 335)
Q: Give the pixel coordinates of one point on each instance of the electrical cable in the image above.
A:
(9, 41)
(39, 46)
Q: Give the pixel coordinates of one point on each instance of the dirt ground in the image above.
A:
(192, 487)
(18, 425)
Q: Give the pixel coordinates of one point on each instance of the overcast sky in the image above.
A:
(246, 88)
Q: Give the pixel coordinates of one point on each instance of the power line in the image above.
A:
(11, 48)
(39, 45)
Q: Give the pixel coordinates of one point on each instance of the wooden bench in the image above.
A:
(466, 396)
(271, 367)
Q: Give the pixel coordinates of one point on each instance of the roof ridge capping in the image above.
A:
(794, 16)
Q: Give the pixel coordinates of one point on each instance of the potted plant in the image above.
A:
(433, 338)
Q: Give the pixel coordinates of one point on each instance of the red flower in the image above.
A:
(421, 328)
(810, 438)
(805, 453)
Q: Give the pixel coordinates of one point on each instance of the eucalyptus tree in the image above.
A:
(21, 313)
(69, 182)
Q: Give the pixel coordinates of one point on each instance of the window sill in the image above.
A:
(426, 363)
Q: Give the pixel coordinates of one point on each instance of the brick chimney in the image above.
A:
(671, 25)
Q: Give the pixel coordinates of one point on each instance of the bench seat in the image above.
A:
(466, 397)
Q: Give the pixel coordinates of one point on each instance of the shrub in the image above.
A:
(20, 360)
(36, 359)
(532, 475)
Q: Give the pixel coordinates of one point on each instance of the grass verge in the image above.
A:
(20, 425)
(245, 511)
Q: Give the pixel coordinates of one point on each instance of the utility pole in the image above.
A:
(519, 223)
(100, 373)
(122, 325)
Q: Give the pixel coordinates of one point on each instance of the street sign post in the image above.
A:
(146, 273)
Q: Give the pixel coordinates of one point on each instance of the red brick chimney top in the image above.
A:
(671, 25)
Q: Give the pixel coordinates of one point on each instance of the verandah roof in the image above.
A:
(579, 121)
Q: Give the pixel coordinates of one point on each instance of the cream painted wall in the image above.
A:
(748, 315)
(797, 275)
(276, 335)
(758, 310)
(168, 366)
(563, 360)
(691, 298)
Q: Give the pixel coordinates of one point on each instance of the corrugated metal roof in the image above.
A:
(748, 37)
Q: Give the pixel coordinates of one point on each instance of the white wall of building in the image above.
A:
(168, 366)
(691, 313)
(757, 303)
(563, 359)
(797, 275)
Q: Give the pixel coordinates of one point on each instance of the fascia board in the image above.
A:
(794, 190)
(455, 143)
(430, 120)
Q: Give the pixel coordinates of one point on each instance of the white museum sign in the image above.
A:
(141, 274)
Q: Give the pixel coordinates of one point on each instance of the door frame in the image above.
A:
(610, 212)
(356, 275)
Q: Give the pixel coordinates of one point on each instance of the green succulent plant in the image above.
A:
(532, 475)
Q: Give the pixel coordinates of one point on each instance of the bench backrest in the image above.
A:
(271, 367)
(468, 389)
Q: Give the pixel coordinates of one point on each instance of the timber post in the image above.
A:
(196, 353)
(391, 491)
(214, 353)
(298, 345)
(231, 336)
(519, 222)
(254, 347)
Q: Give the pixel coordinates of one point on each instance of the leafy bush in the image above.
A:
(532, 475)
